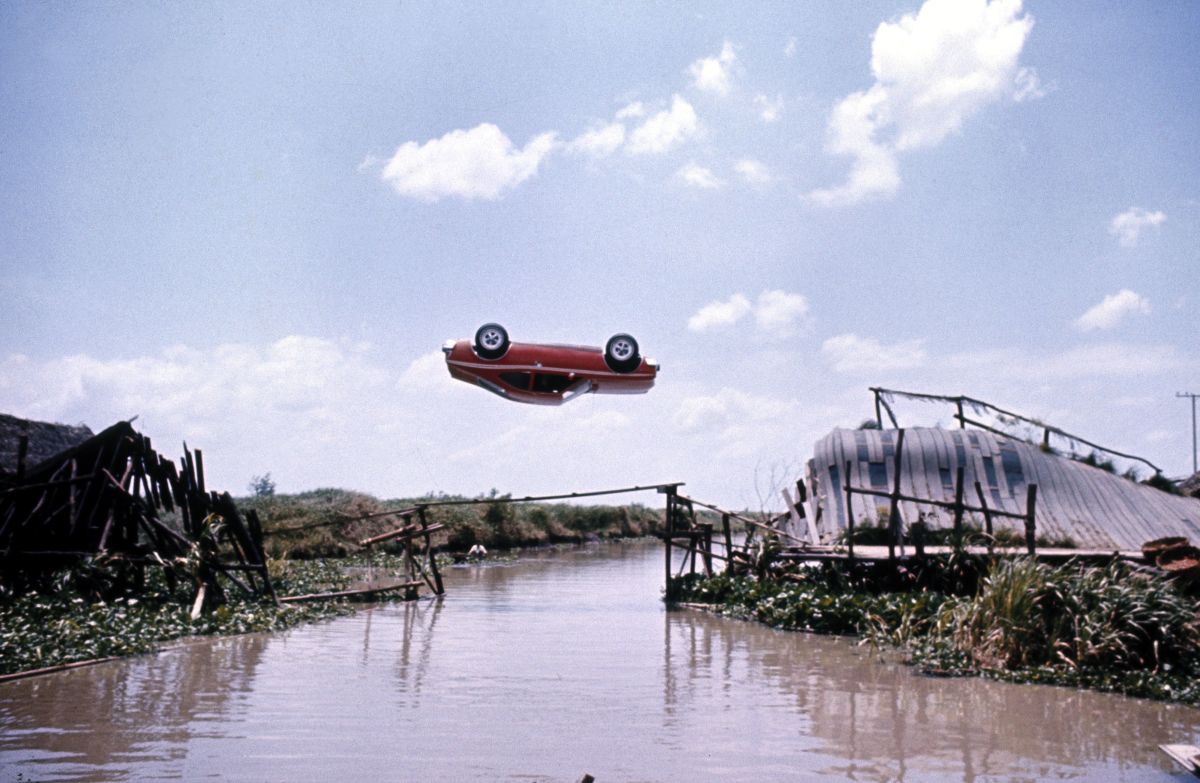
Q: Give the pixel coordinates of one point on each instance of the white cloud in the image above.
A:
(753, 171)
(769, 109)
(1127, 227)
(725, 407)
(477, 163)
(717, 315)
(932, 71)
(712, 74)
(778, 312)
(851, 353)
(303, 384)
(1112, 310)
(426, 372)
(697, 176)
(789, 49)
(632, 110)
(665, 130)
(599, 142)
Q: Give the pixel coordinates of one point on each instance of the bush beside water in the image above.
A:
(311, 541)
(1108, 628)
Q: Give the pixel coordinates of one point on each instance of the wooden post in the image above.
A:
(708, 531)
(1031, 519)
(728, 543)
(987, 516)
(433, 568)
(962, 420)
(849, 514)
(878, 410)
(958, 507)
(1046, 439)
(894, 528)
(668, 536)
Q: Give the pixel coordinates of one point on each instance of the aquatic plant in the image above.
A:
(1109, 628)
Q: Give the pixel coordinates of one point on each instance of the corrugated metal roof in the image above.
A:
(1089, 505)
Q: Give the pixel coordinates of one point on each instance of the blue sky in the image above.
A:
(252, 225)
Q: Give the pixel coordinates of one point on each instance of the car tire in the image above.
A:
(621, 353)
(491, 341)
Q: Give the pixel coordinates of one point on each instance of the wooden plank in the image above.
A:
(291, 599)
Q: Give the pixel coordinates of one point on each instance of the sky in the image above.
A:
(252, 225)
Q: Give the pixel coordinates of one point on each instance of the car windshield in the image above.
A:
(552, 383)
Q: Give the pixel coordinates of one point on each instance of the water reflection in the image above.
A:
(151, 708)
(542, 669)
(863, 718)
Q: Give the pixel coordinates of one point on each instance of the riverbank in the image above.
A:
(312, 544)
(1111, 629)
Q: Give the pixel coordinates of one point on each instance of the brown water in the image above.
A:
(557, 665)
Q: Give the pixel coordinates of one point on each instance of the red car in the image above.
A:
(548, 374)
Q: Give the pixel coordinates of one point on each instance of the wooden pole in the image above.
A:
(668, 538)
(728, 543)
(849, 514)
(1031, 519)
(958, 507)
(433, 567)
(987, 516)
(894, 536)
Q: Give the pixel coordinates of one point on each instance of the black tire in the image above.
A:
(621, 353)
(491, 341)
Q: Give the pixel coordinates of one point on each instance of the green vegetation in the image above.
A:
(66, 622)
(95, 610)
(972, 535)
(331, 522)
(1110, 628)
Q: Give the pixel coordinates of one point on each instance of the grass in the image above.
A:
(311, 541)
(330, 522)
(1108, 628)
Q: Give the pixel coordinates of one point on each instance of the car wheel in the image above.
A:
(621, 353)
(491, 341)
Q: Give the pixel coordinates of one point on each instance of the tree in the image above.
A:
(262, 486)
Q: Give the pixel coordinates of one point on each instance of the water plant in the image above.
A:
(1112, 628)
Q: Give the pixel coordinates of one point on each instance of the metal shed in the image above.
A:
(1091, 506)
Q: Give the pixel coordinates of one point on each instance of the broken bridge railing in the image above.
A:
(884, 398)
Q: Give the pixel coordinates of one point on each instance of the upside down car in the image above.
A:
(545, 374)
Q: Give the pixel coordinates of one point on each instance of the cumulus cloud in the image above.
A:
(631, 111)
(789, 49)
(1127, 227)
(599, 142)
(478, 163)
(718, 315)
(851, 353)
(932, 70)
(769, 109)
(665, 130)
(697, 176)
(1112, 310)
(753, 171)
(305, 384)
(779, 312)
(776, 313)
(713, 74)
(726, 406)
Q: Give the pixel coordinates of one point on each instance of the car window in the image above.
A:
(517, 380)
(550, 382)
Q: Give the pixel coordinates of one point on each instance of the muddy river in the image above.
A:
(559, 664)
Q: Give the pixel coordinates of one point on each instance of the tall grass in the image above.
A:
(1029, 614)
